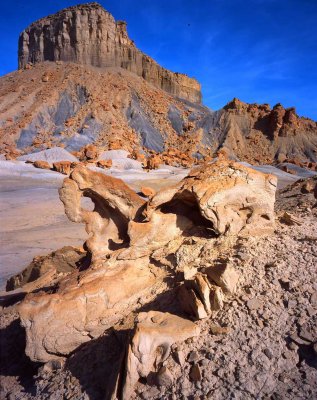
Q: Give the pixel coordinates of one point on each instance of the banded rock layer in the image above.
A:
(88, 35)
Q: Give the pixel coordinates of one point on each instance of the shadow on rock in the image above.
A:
(14, 362)
(97, 364)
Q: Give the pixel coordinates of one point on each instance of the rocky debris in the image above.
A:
(62, 261)
(41, 164)
(104, 164)
(296, 197)
(64, 167)
(290, 219)
(111, 108)
(154, 334)
(153, 162)
(255, 132)
(224, 275)
(199, 297)
(130, 238)
(88, 152)
(101, 42)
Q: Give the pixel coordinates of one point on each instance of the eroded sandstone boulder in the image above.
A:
(84, 307)
(115, 204)
(62, 261)
(64, 167)
(224, 196)
(131, 244)
(41, 164)
(154, 334)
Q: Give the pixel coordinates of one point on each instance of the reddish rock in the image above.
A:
(147, 191)
(104, 163)
(42, 164)
(64, 167)
(153, 162)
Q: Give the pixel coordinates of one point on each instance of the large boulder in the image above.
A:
(84, 307)
(225, 196)
(127, 239)
(154, 334)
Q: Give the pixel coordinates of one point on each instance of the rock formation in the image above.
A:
(154, 334)
(129, 239)
(88, 35)
(257, 133)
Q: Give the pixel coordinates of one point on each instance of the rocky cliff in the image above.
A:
(87, 34)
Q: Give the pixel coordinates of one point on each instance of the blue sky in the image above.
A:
(262, 51)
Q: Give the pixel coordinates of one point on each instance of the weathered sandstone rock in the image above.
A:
(126, 237)
(151, 344)
(88, 34)
(225, 276)
(147, 191)
(104, 164)
(115, 205)
(84, 307)
(199, 297)
(64, 167)
(224, 196)
(64, 260)
(41, 164)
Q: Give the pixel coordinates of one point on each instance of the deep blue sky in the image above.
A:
(262, 51)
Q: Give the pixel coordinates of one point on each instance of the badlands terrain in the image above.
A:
(151, 248)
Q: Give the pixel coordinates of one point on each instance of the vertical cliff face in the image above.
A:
(88, 34)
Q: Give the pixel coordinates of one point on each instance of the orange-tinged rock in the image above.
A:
(42, 164)
(64, 167)
(104, 163)
(155, 332)
(147, 191)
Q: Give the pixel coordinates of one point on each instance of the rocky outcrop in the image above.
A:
(257, 133)
(88, 34)
(129, 241)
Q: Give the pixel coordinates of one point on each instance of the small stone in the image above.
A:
(180, 357)
(294, 337)
(204, 362)
(164, 377)
(304, 334)
(313, 299)
(254, 304)
(150, 394)
(193, 356)
(268, 352)
(225, 276)
(147, 191)
(52, 365)
(290, 219)
(219, 330)
(293, 346)
(243, 256)
(195, 374)
(311, 311)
